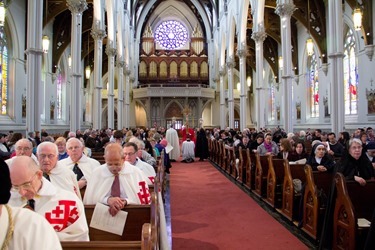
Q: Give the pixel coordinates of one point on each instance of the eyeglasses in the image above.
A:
(26, 185)
(23, 148)
(43, 156)
(129, 154)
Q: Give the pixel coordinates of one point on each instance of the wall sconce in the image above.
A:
(281, 63)
(45, 43)
(357, 18)
(2, 14)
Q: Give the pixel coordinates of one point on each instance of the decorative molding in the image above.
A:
(369, 51)
(241, 53)
(110, 51)
(76, 6)
(325, 68)
(259, 36)
(230, 63)
(98, 34)
(285, 9)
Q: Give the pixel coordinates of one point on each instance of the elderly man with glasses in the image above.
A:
(23, 147)
(61, 208)
(57, 174)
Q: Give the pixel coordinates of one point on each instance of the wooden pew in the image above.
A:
(291, 199)
(353, 201)
(261, 172)
(242, 165)
(136, 235)
(317, 189)
(99, 156)
(137, 216)
(275, 180)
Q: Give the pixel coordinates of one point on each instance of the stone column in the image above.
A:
(34, 54)
(242, 56)
(76, 7)
(336, 55)
(285, 11)
(98, 35)
(111, 52)
(120, 94)
(127, 97)
(261, 93)
(230, 66)
(222, 98)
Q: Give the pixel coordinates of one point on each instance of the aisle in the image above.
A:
(210, 212)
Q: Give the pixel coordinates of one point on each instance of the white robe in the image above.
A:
(65, 179)
(147, 169)
(188, 150)
(133, 186)
(10, 160)
(86, 164)
(62, 209)
(31, 231)
(172, 137)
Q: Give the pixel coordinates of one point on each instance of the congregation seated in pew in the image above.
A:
(117, 183)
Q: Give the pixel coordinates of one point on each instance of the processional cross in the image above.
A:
(186, 112)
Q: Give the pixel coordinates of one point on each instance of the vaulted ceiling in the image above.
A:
(58, 12)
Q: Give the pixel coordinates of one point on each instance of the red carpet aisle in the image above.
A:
(209, 212)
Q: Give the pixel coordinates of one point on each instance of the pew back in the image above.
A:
(275, 180)
(261, 172)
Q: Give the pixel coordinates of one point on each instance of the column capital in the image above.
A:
(241, 53)
(222, 71)
(76, 6)
(110, 51)
(120, 63)
(230, 63)
(285, 9)
(98, 34)
(259, 36)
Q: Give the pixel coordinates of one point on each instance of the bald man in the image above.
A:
(61, 208)
(117, 183)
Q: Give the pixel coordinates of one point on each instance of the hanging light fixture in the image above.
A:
(45, 38)
(2, 14)
(357, 17)
(88, 69)
(70, 61)
(309, 41)
(281, 63)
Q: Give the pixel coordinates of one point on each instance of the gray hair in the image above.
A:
(47, 144)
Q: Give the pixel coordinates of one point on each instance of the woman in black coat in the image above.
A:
(201, 147)
(355, 165)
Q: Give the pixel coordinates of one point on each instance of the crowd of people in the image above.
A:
(47, 174)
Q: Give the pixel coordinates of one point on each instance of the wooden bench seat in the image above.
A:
(317, 190)
(275, 181)
(101, 245)
(353, 201)
(261, 172)
(291, 199)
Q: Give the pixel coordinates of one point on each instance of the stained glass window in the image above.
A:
(59, 96)
(171, 35)
(4, 73)
(350, 75)
(313, 85)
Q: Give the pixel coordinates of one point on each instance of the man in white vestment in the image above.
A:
(117, 183)
(187, 149)
(78, 162)
(23, 147)
(134, 159)
(21, 228)
(61, 208)
(172, 137)
(59, 175)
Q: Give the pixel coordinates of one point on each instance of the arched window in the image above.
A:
(4, 73)
(313, 85)
(350, 75)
